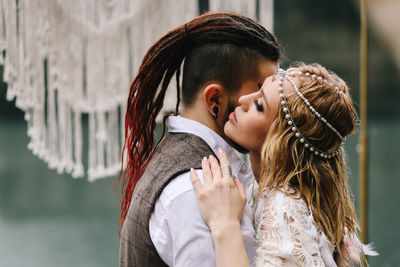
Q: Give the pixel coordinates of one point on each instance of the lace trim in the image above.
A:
(288, 234)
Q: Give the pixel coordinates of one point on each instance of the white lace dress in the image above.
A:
(288, 235)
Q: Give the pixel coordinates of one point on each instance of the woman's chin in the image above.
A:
(229, 132)
(228, 129)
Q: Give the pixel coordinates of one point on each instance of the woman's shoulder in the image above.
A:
(285, 200)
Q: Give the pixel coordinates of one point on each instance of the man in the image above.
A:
(226, 55)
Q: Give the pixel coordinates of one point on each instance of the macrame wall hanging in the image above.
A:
(69, 65)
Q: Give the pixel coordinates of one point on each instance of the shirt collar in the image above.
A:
(178, 124)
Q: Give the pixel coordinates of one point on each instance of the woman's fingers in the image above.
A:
(220, 200)
(207, 174)
(225, 164)
(241, 188)
(223, 158)
(215, 168)
(195, 181)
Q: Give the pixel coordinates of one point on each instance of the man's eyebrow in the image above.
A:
(265, 98)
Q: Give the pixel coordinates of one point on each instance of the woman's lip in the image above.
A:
(232, 117)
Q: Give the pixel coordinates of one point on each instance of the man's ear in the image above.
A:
(212, 95)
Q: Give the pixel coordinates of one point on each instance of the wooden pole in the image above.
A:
(363, 138)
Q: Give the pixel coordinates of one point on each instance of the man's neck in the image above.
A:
(202, 116)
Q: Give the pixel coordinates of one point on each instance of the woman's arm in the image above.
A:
(229, 246)
(221, 201)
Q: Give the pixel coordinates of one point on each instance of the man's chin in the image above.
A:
(238, 147)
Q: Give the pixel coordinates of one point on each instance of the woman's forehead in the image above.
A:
(270, 88)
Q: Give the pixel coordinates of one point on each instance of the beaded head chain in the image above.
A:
(287, 75)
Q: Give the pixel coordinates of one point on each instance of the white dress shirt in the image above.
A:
(178, 231)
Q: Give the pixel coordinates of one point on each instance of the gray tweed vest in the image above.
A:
(176, 154)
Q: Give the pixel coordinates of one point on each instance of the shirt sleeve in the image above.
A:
(286, 234)
(178, 231)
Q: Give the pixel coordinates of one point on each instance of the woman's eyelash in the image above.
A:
(258, 106)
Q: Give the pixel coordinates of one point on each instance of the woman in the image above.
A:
(294, 128)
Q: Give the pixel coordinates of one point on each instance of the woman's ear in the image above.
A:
(213, 95)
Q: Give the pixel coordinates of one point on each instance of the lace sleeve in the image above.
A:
(287, 235)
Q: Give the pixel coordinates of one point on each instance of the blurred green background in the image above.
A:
(47, 219)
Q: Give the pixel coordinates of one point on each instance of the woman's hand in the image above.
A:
(221, 199)
(350, 254)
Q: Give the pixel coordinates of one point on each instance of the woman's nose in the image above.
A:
(244, 101)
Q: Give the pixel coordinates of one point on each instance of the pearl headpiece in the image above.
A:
(287, 75)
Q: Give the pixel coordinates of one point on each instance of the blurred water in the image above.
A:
(384, 188)
(48, 219)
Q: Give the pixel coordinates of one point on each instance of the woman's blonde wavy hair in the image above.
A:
(322, 183)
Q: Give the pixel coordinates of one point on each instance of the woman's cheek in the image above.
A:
(262, 131)
(237, 133)
(249, 135)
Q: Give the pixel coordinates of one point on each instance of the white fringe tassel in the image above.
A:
(69, 65)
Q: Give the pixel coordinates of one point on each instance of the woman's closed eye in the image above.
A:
(258, 105)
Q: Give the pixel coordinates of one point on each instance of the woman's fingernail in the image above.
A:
(220, 151)
(211, 157)
(204, 159)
